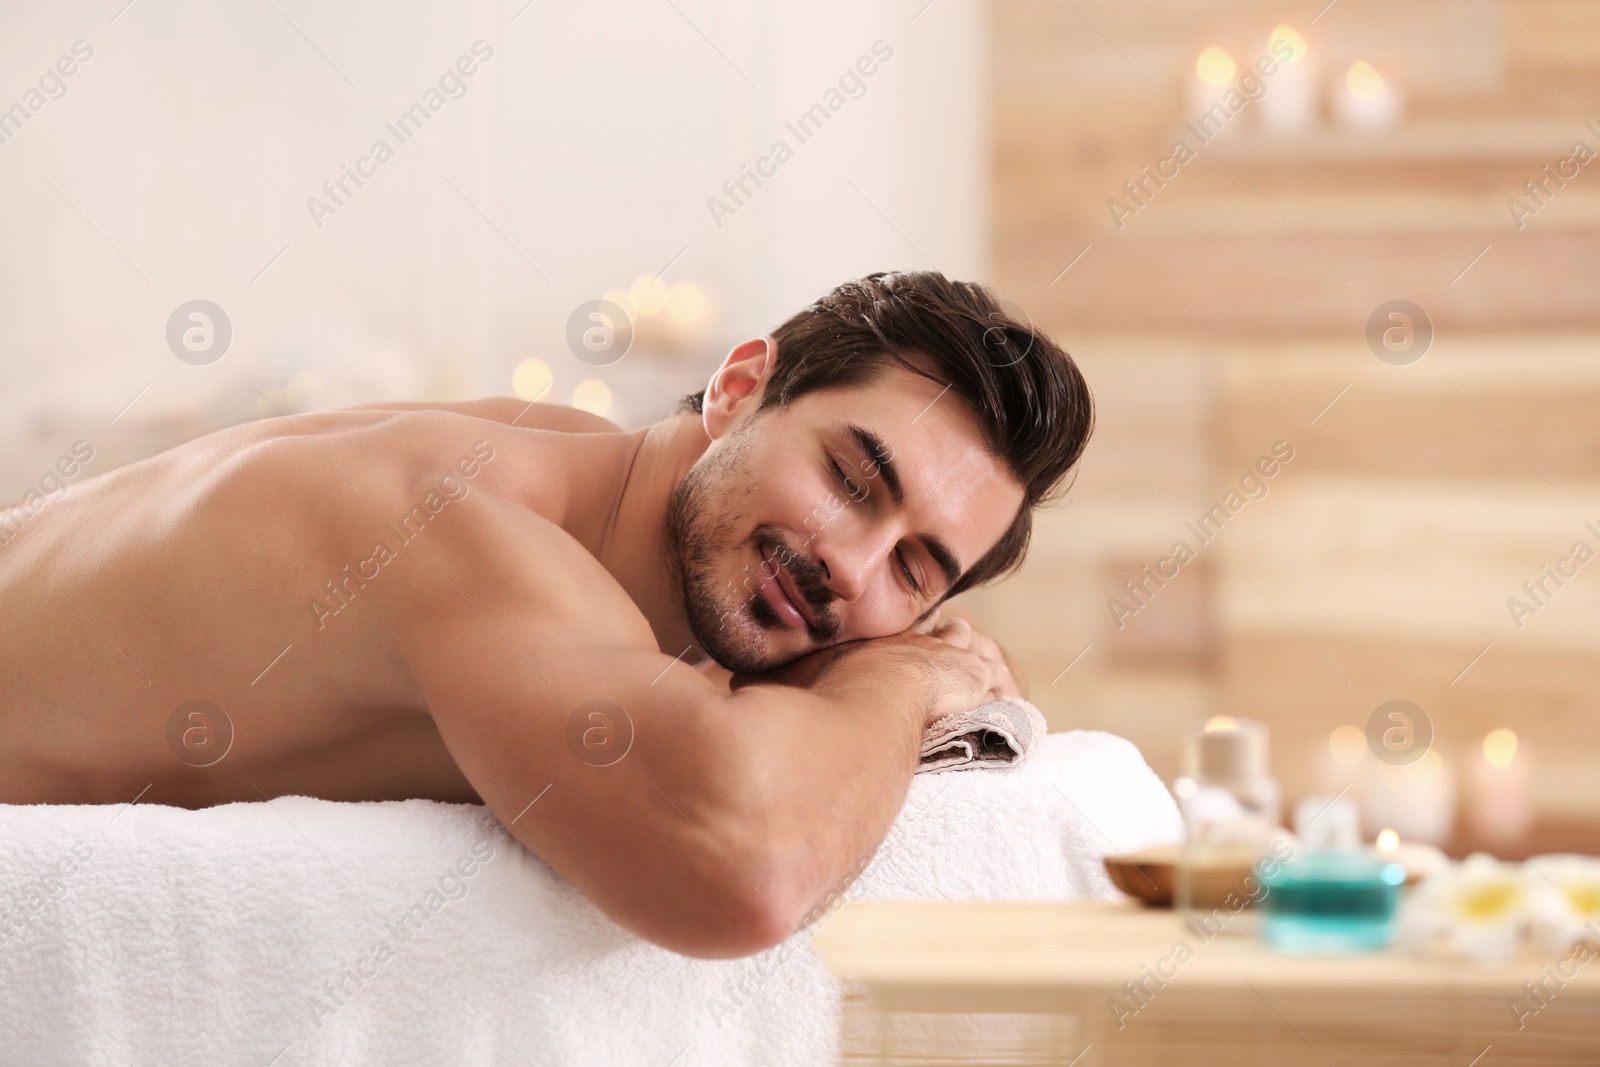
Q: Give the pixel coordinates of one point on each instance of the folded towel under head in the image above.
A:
(998, 734)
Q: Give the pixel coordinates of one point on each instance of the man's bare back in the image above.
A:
(274, 570)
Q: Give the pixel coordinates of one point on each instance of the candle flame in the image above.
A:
(1363, 80)
(685, 301)
(1426, 769)
(1218, 723)
(1347, 744)
(531, 379)
(1286, 33)
(1388, 841)
(1215, 66)
(1500, 747)
(648, 294)
(592, 395)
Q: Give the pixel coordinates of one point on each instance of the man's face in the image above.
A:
(845, 515)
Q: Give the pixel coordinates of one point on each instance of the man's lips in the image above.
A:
(781, 588)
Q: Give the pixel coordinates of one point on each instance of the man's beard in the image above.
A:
(731, 620)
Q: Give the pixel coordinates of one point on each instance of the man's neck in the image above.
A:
(621, 520)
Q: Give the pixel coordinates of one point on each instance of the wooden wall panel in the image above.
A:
(1241, 242)
(1232, 308)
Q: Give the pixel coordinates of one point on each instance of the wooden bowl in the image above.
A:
(1151, 875)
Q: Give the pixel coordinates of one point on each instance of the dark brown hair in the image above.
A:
(1031, 402)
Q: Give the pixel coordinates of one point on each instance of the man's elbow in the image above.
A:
(726, 922)
(753, 921)
(755, 872)
(750, 890)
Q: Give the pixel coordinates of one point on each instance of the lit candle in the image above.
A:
(1365, 101)
(1290, 103)
(1497, 785)
(1213, 75)
(1343, 761)
(1418, 860)
(592, 395)
(648, 294)
(685, 301)
(1416, 800)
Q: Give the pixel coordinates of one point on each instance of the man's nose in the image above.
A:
(848, 561)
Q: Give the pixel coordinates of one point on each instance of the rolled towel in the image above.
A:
(998, 734)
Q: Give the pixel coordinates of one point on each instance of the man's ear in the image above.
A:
(738, 384)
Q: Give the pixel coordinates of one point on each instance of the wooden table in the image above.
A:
(1094, 985)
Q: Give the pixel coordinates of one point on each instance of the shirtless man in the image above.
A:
(689, 666)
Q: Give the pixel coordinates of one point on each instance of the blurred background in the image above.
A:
(1374, 254)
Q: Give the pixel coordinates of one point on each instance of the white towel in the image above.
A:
(303, 932)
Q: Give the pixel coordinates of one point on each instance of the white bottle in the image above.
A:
(1230, 806)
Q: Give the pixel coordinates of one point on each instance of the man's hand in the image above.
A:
(958, 667)
(957, 628)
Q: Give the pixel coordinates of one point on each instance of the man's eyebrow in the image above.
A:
(879, 453)
(942, 555)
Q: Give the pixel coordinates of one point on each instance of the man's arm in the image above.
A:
(965, 633)
(705, 820)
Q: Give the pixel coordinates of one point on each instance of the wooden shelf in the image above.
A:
(1495, 141)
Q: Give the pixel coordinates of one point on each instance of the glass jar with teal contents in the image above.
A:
(1334, 896)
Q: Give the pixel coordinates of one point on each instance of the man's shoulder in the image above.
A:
(510, 567)
(564, 419)
(507, 410)
(505, 606)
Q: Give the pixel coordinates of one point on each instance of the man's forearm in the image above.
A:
(831, 747)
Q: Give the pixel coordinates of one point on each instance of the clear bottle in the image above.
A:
(1334, 897)
(1230, 807)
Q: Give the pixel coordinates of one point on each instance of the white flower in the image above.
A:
(1477, 908)
(1565, 898)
